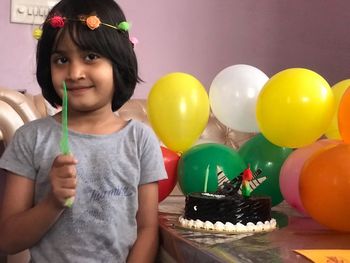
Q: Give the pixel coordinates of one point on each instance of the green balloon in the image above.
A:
(259, 153)
(207, 159)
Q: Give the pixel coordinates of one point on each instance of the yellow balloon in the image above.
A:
(178, 110)
(295, 107)
(338, 91)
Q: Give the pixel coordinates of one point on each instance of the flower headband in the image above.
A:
(92, 22)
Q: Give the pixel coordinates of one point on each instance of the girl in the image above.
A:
(114, 167)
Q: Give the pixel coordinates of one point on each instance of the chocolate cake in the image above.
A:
(230, 209)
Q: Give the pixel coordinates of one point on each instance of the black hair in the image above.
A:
(108, 42)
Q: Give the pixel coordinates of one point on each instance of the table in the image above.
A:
(295, 232)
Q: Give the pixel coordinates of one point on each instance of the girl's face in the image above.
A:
(88, 76)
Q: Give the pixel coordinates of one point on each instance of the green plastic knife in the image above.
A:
(64, 143)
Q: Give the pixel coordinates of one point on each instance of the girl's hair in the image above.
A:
(108, 42)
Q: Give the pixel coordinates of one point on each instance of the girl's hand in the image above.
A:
(63, 179)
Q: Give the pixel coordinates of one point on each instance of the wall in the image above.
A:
(201, 37)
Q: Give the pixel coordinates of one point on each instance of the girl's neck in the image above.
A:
(94, 123)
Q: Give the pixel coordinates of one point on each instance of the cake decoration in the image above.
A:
(246, 178)
(231, 208)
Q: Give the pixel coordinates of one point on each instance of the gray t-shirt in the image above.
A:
(101, 225)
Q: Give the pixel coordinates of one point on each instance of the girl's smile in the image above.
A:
(76, 90)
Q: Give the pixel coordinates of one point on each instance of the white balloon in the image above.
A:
(233, 95)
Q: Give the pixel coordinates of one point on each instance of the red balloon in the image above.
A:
(165, 186)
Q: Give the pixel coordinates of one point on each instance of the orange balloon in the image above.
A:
(344, 116)
(325, 187)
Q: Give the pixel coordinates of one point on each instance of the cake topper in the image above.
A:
(243, 184)
(247, 176)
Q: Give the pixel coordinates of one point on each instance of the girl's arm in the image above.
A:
(146, 245)
(21, 224)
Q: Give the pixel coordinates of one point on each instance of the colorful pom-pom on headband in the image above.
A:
(37, 32)
(91, 21)
(56, 21)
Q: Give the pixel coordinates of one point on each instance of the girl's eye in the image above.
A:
(91, 57)
(60, 60)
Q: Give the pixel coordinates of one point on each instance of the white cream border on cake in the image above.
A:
(228, 226)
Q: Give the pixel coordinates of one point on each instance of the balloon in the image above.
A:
(338, 91)
(344, 116)
(324, 187)
(202, 162)
(291, 170)
(295, 107)
(165, 186)
(259, 153)
(233, 95)
(178, 110)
